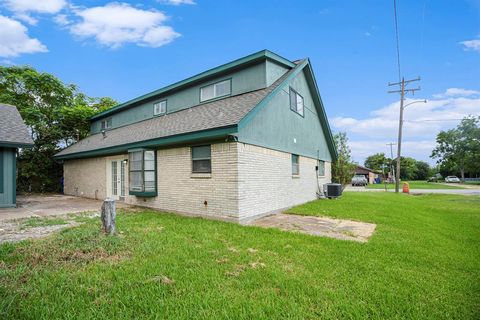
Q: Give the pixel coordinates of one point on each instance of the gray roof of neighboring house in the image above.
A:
(216, 114)
(13, 130)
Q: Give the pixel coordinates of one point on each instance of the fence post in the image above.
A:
(108, 216)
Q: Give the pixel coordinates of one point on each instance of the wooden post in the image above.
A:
(108, 216)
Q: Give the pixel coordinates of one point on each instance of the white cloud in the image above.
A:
(115, 24)
(40, 6)
(61, 20)
(422, 123)
(177, 2)
(471, 45)
(453, 92)
(23, 8)
(14, 39)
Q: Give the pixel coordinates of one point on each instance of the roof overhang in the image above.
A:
(177, 140)
(215, 72)
(9, 144)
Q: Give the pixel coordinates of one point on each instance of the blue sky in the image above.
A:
(125, 49)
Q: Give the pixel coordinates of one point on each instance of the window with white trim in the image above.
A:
(106, 124)
(321, 168)
(160, 108)
(142, 171)
(295, 164)
(202, 159)
(216, 90)
(296, 102)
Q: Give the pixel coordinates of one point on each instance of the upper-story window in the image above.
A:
(296, 102)
(216, 90)
(106, 124)
(160, 108)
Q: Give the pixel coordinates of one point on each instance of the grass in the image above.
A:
(423, 262)
(41, 222)
(415, 185)
(473, 182)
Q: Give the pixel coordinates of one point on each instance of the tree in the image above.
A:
(342, 169)
(57, 115)
(377, 161)
(423, 170)
(460, 147)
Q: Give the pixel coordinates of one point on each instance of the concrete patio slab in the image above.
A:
(319, 226)
(41, 205)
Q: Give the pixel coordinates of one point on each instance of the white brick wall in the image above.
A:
(85, 178)
(246, 181)
(266, 181)
(180, 190)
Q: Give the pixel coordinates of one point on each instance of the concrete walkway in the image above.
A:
(468, 192)
(39, 205)
(319, 226)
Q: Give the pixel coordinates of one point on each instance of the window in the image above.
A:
(160, 108)
(142, 173)
(219, 89)
(202, 159)
(321, 168)
(296, 102)
(295, 164)
(106, 124)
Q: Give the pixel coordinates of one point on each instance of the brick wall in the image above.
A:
(85, 178)
(266, 183)
(182, 191)
(246, 181)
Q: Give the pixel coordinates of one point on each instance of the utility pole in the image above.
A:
(402, 92)
(392, 170)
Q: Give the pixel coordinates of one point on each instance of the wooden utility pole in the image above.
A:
(402, 92)
(392, 170)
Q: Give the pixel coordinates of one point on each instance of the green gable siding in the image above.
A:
(7, 177)
(277, 127)
(274, 71)
(244, 80)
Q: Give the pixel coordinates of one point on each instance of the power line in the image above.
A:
(398, 41)
(432, 120)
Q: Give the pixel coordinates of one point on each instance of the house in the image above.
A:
(13, 135)
(236, 142)
(372, 176)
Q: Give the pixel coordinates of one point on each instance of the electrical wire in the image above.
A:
(397, 38)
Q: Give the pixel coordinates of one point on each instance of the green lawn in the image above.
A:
(415, 185)
(423, 262)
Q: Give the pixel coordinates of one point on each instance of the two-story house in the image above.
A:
(236, 142)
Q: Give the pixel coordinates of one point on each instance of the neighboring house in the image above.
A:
(13, 135)
(235, 142)
(373, 176)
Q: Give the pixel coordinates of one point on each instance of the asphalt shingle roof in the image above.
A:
(215, 114)
(12, 128)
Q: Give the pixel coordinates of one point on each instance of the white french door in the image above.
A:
(117, 180)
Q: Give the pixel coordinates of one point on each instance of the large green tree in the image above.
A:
(57, 115)
(342, 169)
(459, 148)
(377, 161)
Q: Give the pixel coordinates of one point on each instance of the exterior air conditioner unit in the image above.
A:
(332, 190)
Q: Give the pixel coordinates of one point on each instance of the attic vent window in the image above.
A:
(216, 90)
(160, 108)
(296, 102)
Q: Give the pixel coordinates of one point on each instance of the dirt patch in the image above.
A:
(319, 226)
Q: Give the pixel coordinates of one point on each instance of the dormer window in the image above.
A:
(216, 90)
(106, 124)
(160, 108)
(296, 102)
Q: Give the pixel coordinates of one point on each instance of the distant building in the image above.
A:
(373, 176)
